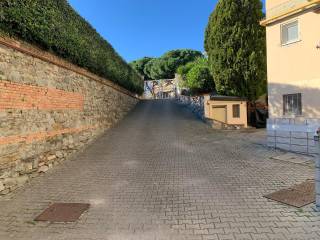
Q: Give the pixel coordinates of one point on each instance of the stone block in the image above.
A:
(35, 163)
(2, 187)
(51, 157)
(43, 169)
(59, 154)
(5, 174)
(9, 182)
(4, 192)
(28, 167)
(22, 180)
(14, 76)
(41, 164)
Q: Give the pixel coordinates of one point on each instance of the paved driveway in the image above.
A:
(163, 174)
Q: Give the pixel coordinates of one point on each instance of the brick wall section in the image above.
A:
(49, 110)
(21, 96)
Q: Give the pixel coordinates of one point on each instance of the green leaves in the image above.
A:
(139, 65)
(197, 77)
(235, 44)
(166, 66)
(56, 27)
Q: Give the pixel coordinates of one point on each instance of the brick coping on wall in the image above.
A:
(50, 58)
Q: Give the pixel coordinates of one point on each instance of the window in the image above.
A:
(290, 33)
(292, 104)
(236, 111)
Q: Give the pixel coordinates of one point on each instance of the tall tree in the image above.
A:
(165, 66)
(196, 76)
(139, 66)
(235, 44)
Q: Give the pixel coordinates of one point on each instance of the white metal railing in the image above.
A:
(285, 7)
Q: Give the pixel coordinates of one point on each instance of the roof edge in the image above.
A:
(310, 4)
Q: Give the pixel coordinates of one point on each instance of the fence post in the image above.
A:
(317, 143)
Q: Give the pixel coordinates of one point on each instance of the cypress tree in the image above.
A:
(235, 44)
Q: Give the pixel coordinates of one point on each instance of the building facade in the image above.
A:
(293, 57)
(160, 89)
(226, 111)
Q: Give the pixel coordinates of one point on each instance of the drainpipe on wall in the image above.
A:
(317, 141)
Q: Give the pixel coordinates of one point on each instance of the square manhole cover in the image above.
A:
(63, 212)
(297, 196)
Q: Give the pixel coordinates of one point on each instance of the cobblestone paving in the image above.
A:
(162, 174)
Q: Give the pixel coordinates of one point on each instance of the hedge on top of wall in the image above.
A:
(56, 27)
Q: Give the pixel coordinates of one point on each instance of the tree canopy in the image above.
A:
(196, 76)
(166, 66)
(235, 44)
(140, 64)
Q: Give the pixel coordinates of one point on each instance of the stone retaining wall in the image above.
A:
(49, 109)
(195, 104)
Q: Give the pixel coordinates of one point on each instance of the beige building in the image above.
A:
(226, 111)
(160, 89)
(293, 52)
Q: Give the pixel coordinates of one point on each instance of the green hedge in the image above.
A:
(56, 27)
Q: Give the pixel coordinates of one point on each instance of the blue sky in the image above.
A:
(138, 28)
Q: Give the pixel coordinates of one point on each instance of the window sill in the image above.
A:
(290, 43)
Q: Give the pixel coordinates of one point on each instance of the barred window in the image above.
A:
(292, 104)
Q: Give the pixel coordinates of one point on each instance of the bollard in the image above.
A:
(317, 143)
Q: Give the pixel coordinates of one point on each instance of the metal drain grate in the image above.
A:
(63, 212)
(297, 196)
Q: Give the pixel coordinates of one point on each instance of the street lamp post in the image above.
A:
(317, 141)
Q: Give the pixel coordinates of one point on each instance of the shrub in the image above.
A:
(54, 26)
(139, 66)
(197, 77)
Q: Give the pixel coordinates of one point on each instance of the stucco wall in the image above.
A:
(49, 111)
(274, 3)
(294, 68)
(229, 107)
